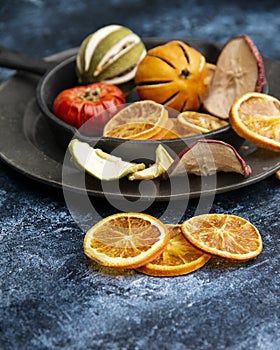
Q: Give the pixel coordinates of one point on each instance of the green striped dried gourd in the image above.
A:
(111, 54)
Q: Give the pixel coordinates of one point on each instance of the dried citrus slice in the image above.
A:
(126, 240)
(277, 174)
(223, 235)
(200, 122)
(256, 117)
(178, 130)
(178, 258)
(139, 120)
(164, 130)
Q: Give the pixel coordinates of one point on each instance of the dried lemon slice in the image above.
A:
(126, 240)
(200, 122)
(223, 235)
(256, 117)
(139, 120)
(179, 257)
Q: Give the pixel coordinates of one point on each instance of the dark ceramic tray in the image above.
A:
(28, 145)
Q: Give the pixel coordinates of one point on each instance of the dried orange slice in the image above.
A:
(277, 174)
(256, 117)
(178, 130)
(178, 258)
(126, 240)
(164, 130)
(199, 122)
(223, 235)
(138, 121)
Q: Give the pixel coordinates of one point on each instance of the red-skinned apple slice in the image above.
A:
(239, 69)
(206, 157)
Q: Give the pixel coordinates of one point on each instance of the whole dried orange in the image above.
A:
(175, 75)
(223, 235)
(126, 240)
(256, 117)
(178, 258)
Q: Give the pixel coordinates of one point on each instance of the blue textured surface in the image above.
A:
(52, 297)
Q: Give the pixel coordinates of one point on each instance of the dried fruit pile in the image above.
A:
(140, 241)
(149, 120)
(180, 95)
(197, 96)
(202, 158)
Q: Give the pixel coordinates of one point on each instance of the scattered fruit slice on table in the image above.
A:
(206, 157)
(126, 240)
(178, 258)
(277, 174)
(239, 69)
(200, 122)
(162, 163)
(138, 121)
(227, 236)
(100, 164)
(256, 117)
(175, 75)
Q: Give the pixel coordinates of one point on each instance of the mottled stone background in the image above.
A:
(52, 297)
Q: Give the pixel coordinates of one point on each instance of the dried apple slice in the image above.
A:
(99, 164)
(239, 69)
(206, 157)
(163, 161)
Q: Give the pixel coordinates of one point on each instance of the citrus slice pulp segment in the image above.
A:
(224, 235)
(256, 117)
(267, 126)
(178, 130)
(136, 131)
(140, 120)
(178, 258)
(126, 240)
(200, 122)
(164, 130)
